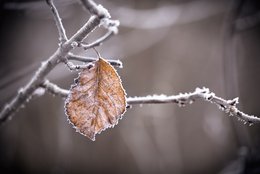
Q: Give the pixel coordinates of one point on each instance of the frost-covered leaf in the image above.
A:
(97, 100)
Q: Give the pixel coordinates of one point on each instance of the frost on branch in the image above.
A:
(97, 100)
(61, 55)
(111, 25)
(228, 106)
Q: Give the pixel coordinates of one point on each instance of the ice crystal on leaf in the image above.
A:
(97, 100)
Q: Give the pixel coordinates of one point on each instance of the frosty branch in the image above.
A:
(61, 30)
(84, 59)
(100, 16)
(228, 106)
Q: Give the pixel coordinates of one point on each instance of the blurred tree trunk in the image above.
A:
(241, 65)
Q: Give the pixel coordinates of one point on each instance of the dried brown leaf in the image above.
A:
(97, 100)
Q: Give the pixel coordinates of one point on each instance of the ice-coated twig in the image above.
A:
(54, 89)
(25, 93)
(72, 67)
(57, 18)
(95, 9)
(228, 106)
(111, 26)
(98, 42)
(72, 56)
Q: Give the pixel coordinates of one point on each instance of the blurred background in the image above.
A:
(166, 47)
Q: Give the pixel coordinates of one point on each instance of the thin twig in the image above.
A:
(95, 9)
(111, 26)
(26, 92)
(54, 89)
(98, 42)
(228, 106)
(72, 67)
(57, 18)
(71, 56)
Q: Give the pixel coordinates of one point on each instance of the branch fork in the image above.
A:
(100, 16)
(61, 55)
